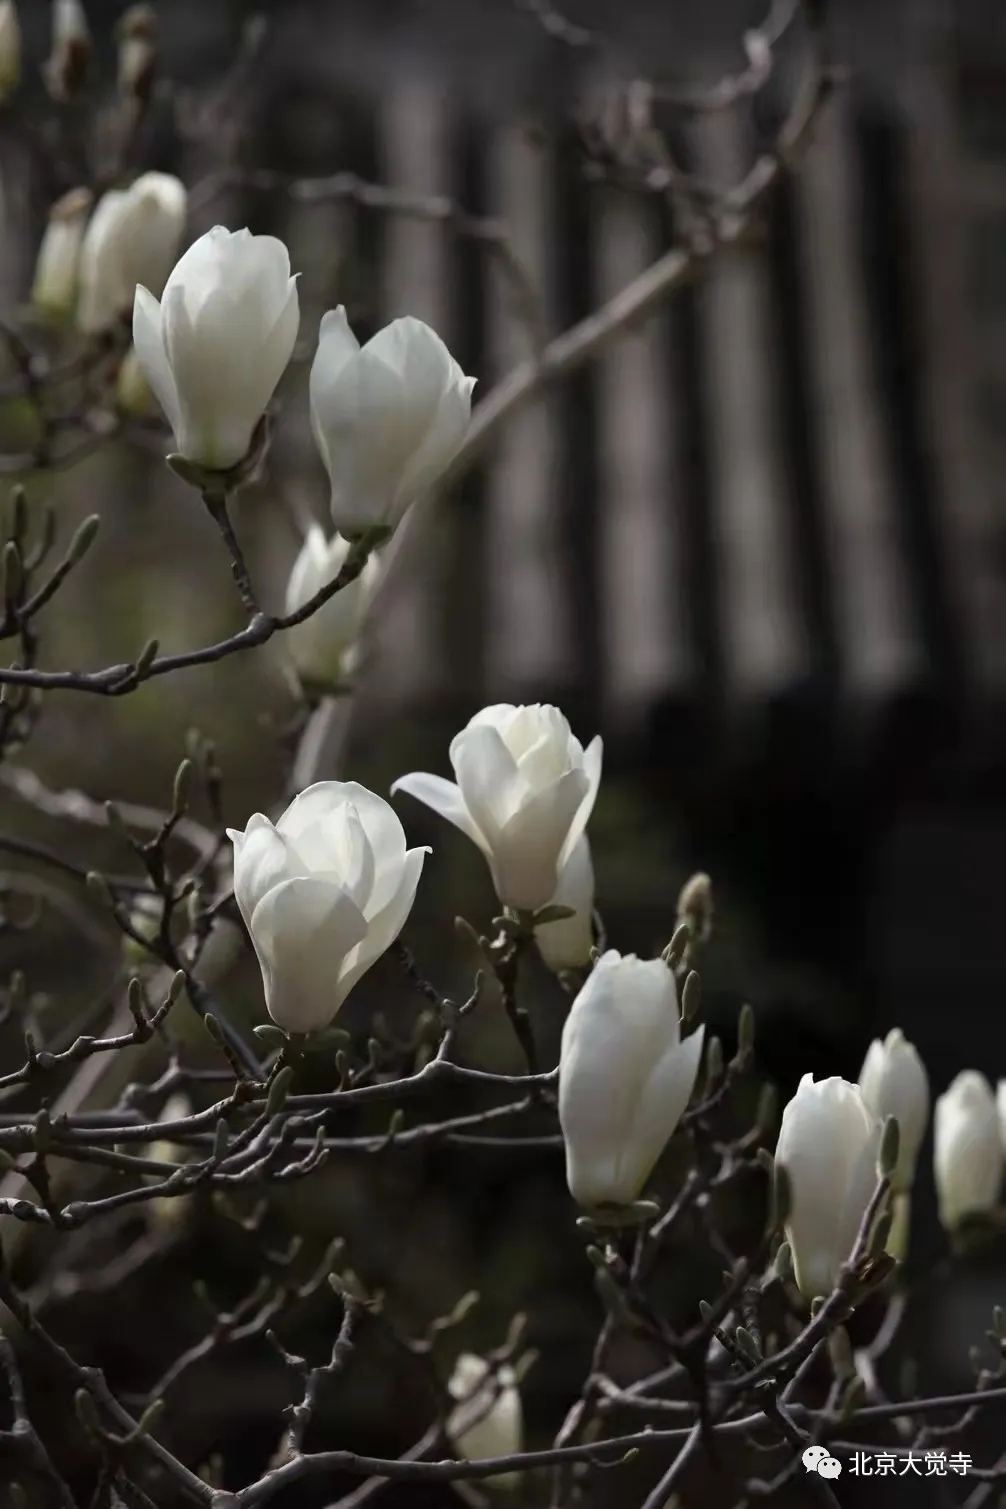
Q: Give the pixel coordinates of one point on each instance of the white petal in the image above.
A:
(526, 852)
(148, 340)
(302, 930)
(385, 926)
(443, 797)
(592, 759)
(567, 944)
(488, 779)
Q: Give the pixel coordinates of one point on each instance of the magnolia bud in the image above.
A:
(66, 69)
(566, 943)
(324, 646)
(387, 418)
(137, 31)
(216, 346)
(967, 1152)
(133, 394)
(133, 238)
(894, 1082)
(487, 1420)
(828, 1145)
(525, 789)
(323, 894)
(169, 1213)
(625, 1077)
(54, 289)
(10, 48)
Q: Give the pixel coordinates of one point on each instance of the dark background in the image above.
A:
(844, 390)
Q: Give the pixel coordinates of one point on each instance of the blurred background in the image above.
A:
(759, 544)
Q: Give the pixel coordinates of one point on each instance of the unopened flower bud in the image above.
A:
(324, 646)
(54, 290)
(967, 1154)
(66, 69)
(625, 1077)
(487, 1420)
(828, 1145)
(137, 31)
(387, 418)
(216, 346)
(133, 393)
(894, 1082)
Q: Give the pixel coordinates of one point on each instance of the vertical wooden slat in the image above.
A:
(414, 154)
(944, 192)
(764, 638)
(528, 630)
(646, 649)
(880, 646)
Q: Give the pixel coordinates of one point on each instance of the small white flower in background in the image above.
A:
(133, 238)
(828, 1144)
(323, 894)
(967, 1153)
(169, 1212)
(133, 393)
(66, 67)
(57, 268)
(10, 48)
(567, 944)
(1001, 1109)
(493, 1407)
(894, 1082)
(387, 417)
(322, 647)
(217, 344)
(625, 1077)
(525, 789)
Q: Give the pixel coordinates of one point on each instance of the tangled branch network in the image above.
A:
(778, 1376)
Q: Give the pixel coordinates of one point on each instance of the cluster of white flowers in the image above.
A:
(213, 333)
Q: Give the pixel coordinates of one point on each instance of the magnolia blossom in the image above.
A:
(488, 1420)
(10, 48)
(218, 342)
(967, 1152)
(567, 944)
(133, 238)
(323, 645)
(387, 417)
(56, 271)
(1001, 1108)
(625, 1077)
(894, 1082)
(525, 789)
(828, 1144)
(323, 893)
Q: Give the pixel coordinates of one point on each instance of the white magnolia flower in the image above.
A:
(387, 417)
(894, 1082)
(57, 269)
(219, 341)
(488, 1420)
(133, 237)
(525, 789)
(566, 944)
(828, 1144)
(625, 1077)
(10, 48)
(323, 894)
(1001, 1108)
(967, 1153)
(322, 646)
